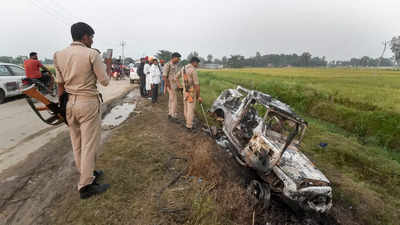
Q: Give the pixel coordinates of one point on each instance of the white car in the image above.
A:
(133, 76)
(11, 76)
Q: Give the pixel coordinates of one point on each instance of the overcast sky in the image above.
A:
(337, 29)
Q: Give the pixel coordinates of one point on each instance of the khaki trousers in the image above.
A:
(172, 103)
(188, 111)
(84, 119)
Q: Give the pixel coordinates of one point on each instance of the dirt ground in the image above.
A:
(159, 174)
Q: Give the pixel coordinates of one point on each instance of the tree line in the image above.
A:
(363, 62)
(267, 60)
(20, 60)
(282, 60)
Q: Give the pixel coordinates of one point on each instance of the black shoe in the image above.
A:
(93, 189)
(175, 120)
(191, 130)
(98, 174)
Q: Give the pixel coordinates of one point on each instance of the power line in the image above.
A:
(56, 10)
(49, 12)
(64, 9)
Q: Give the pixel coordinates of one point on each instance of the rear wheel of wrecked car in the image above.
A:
(260, 195)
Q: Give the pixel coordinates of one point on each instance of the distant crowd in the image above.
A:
(152, 84)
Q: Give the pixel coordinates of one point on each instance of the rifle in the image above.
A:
(188, 89)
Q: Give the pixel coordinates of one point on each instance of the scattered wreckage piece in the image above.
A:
(265, 134)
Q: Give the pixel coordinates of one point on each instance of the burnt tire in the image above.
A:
(2, 96)
(260, 195)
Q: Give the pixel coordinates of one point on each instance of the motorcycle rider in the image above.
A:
(32, 70)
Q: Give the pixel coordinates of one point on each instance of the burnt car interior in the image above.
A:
(244, 130)
(279, 128)
(231, 102)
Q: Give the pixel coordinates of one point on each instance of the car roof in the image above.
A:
(8, 64)
(273, 103)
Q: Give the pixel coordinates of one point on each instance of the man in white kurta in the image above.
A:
(146, 71)
(155, 74)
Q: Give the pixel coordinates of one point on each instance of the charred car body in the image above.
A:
(265, 134)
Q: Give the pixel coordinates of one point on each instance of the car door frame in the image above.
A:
(17, 78)
(5, 80)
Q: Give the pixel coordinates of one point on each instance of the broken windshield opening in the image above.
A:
(280, 129)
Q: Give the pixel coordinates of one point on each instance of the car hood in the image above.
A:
(298, 167)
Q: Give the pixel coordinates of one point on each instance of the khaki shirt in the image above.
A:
(192, 75)
(169, 72)
(79, 68)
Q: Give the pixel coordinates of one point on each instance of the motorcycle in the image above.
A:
(44, 87)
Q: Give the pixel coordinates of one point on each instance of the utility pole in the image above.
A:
(123, 43)
(385, 44)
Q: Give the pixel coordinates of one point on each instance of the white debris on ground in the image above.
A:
(132, 94)
(118, 115)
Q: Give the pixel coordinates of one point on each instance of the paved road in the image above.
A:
(18, 122)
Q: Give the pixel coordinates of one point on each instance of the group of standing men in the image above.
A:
(149, 72)
(190, 88)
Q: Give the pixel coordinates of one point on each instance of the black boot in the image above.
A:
(93, 189)
(98, 174)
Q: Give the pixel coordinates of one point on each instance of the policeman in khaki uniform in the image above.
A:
(78, 69)
(191, 90)
(169, 73)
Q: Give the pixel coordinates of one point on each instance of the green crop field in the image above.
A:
(355, 111)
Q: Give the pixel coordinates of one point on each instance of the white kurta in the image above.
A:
(155, 74)
(146, 71)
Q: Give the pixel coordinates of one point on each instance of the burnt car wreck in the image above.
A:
(265, 134)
